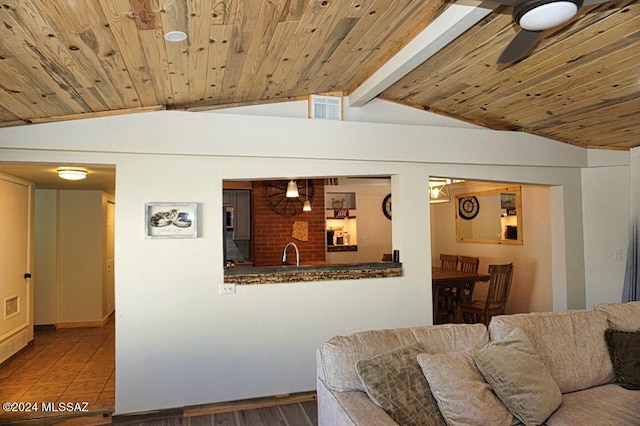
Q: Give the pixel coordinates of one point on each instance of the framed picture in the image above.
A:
(171, 220)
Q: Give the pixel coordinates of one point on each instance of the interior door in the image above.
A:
(16, 296)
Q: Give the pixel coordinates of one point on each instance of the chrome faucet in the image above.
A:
(284, 253)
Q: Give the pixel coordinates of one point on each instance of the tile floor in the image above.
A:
(64, 365)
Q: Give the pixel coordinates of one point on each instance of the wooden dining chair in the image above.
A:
(481, 311)
(449, 262)
(468, 264)
(446, 297)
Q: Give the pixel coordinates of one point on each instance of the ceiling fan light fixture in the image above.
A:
(542, 15)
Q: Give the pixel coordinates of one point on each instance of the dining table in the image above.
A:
(446, 278)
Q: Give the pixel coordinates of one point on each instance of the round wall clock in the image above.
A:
(468, 207)
(276, 192)
(386, 206)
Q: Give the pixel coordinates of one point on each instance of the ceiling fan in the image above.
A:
(534, 17)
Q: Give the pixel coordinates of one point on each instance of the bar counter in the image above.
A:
(248, 275)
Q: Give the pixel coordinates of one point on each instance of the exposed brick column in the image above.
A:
(270, 232)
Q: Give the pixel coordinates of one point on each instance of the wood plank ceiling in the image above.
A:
(69, 59)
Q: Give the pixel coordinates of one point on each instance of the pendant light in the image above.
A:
(439, 192)
(292, 189)
(307, 205)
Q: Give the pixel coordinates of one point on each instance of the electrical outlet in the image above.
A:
(227, 288)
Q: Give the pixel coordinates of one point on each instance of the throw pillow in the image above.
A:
(519, 378)
(394, 382)
(463, 395)
(624, 347)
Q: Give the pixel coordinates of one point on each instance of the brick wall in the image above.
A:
(270, 231)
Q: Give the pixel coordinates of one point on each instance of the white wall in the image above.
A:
(178, 341)
(605, 210)
(373, 227)
(45, 256)
(376, 111)
(69, 247)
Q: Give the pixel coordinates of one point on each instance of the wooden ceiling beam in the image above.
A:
(454, 21)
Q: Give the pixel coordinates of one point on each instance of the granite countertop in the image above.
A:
(319, 271)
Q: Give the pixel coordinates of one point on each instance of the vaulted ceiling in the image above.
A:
(68, 59)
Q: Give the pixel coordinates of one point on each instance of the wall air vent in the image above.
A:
(11, 307)
(325, 107)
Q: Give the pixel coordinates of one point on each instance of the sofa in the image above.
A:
(552, 368)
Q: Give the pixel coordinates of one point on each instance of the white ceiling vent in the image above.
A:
(325, 107)
(11, 307)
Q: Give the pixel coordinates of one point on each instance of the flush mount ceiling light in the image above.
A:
(292, 189)
(72, 173)
(540, 15)
(175, 36)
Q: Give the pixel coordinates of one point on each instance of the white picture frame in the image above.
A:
(171, 220)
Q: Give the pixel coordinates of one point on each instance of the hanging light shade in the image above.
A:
(72, 174)
(292, 189)
(439, 192)
(306, 207)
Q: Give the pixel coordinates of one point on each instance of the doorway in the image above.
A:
(532, 289)
(72, 354)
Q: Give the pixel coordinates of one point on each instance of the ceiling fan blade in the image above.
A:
(590, 2)
(520, 47)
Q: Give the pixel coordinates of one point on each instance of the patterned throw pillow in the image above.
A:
(394, 382)
(624, 347)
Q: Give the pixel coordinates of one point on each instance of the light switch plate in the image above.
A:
(617, 255)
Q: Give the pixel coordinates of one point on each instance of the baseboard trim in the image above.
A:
(81, 324)
(250, 404)
(215, 408)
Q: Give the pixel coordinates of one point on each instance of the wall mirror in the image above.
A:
(490, 217)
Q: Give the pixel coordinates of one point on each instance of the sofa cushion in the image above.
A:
(621, 316)
(395, 383)
(610, 405)
(336, 358)
(570, 344)
(464, 397)
(513, 369)
(624, 349)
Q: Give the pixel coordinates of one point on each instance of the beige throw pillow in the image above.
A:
(462, 394)
(394, 382)
(522, 382)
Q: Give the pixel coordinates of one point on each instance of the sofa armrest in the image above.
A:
(351, 408)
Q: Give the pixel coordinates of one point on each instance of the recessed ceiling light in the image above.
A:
(175, 36)
(72, 173)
